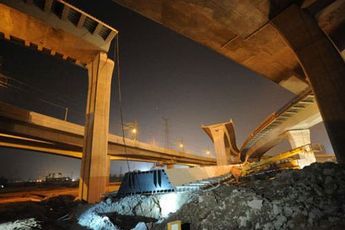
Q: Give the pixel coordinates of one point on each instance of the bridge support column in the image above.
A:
(219, 147)
(298, 138)
(324, 67)
(223, 137)
(94, 175)
(170, 166)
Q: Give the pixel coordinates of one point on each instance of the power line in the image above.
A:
(117, 55)
(39, 92)
(19, 86)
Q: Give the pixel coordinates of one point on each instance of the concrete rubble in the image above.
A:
(25, 224)
(136, 209)
(312, 198)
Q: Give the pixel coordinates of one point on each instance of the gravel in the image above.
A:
(312, 198)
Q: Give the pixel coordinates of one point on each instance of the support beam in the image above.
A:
(299, 138)
(324, 67)
(95, 162)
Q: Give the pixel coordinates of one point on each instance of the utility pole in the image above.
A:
(166, 132)
(66, 113)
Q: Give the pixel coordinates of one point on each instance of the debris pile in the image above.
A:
(111, 214)
(312, 198)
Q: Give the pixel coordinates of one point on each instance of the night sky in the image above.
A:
(163, 75)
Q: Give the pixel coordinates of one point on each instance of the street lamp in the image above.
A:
(181, 145)
(132, 128)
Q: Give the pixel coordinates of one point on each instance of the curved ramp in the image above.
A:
(301, 113)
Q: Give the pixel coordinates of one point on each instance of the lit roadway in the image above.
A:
(28, 130)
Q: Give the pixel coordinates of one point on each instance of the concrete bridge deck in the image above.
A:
(29, 130)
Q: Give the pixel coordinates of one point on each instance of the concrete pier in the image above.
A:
(323, 66)
(95, 162)
(299, 138)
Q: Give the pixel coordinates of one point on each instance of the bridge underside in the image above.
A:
(243, 31)
(307, 51)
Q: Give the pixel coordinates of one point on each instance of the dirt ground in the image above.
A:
(47, 214)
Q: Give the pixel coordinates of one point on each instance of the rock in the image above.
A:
(280, 221)
(255, 204)
(108, 201)
(287, 211)
(328, 180)
(276, 209)
(140, 226)
(328, 171)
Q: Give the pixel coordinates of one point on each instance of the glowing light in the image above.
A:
(208, 152)
(169, 203)
(134, 131)
(181, 145)
(2, 186)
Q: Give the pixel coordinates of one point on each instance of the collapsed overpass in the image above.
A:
(296, 44)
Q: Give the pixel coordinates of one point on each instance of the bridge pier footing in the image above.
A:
(95, 166)
(323, 66)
